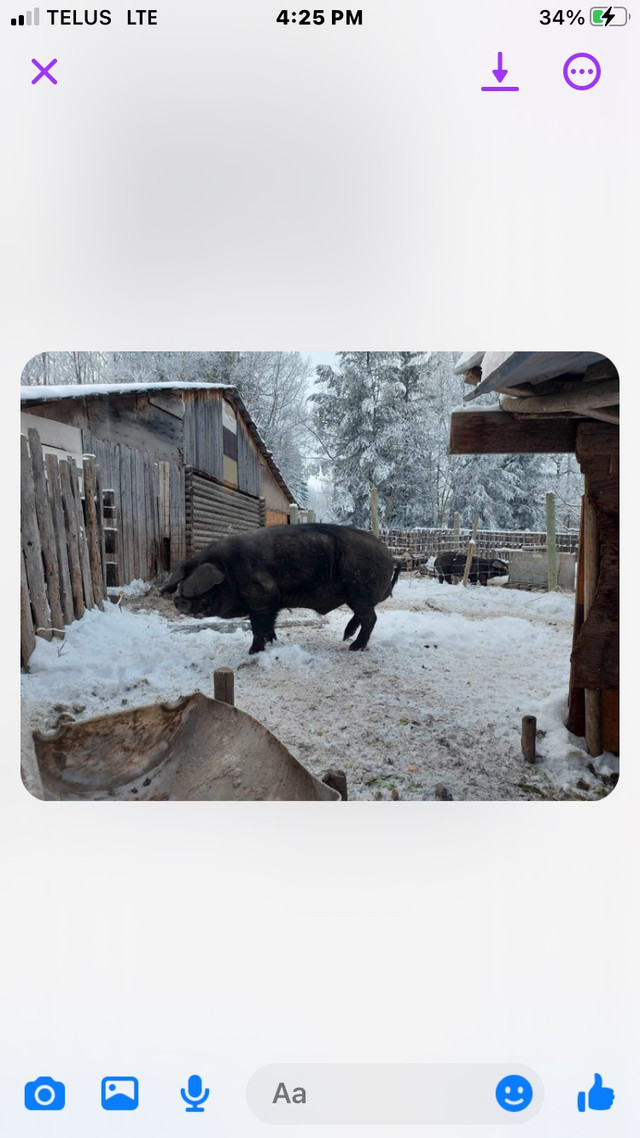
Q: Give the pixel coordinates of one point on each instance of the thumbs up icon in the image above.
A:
(599, 1097)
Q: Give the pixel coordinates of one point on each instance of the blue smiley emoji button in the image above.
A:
(514, 1093)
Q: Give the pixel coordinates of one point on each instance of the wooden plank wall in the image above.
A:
(202, 439)
(203, 446)
(132, 418)
(149, 508)
(214, 511)
(62, 568)
(248, 462)
(177, 516)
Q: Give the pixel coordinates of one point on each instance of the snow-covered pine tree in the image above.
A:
(350, 414)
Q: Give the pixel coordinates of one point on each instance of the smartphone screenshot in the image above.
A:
(319, 802)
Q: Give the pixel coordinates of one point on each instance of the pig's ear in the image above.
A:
(176, 577)
(201, 580)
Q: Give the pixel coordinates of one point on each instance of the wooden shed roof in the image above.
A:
(542, 396)
(31, 396)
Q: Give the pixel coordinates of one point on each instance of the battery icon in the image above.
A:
(609, 17)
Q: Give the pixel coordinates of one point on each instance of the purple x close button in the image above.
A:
(44, 71)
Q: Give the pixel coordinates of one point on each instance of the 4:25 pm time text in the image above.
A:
(319, 16)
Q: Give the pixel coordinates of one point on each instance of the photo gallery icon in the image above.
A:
(119, 1093)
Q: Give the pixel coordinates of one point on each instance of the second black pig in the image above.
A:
(448, 565)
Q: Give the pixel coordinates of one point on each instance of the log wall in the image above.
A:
(214, 510)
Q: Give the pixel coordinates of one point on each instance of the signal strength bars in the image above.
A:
(28, 19)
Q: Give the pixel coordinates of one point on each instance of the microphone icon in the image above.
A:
(194, 1094)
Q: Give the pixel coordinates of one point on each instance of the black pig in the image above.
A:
(311, 566)
(448, 565)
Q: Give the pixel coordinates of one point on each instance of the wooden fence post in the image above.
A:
(73, 539)
(470, 552)
(31, 545)
(93, 526)
(223, 685)
(375, 519)
(55, 500)
(528, 738)
(552, 557)
(27, 635)
(47, 534)
(83, 552)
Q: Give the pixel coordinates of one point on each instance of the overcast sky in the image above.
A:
(321, 357)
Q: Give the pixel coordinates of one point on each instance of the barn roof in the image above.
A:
(39, 394)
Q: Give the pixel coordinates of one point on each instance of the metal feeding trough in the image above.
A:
(196, 748)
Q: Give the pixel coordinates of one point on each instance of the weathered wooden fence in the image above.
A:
(122, 516)
(420, 544)
(63, 557)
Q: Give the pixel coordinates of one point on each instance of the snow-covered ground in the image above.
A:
(431, 709)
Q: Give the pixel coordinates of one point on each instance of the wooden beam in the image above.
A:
(592, 696)
(575, 721)
(604, 393)
(595, 655)
(496, 432)
(601, 369)
(604, 416)
(593, 439)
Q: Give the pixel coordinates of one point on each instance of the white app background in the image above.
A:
(224, 181)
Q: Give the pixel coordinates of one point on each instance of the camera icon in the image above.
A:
(44, 1094)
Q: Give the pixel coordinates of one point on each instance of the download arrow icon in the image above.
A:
(500, 72)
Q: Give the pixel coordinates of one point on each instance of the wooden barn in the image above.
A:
(177, 465)
(550, 403)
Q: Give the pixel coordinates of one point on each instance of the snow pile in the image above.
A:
(436, 700)
(135, 588)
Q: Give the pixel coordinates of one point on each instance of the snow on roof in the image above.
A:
(76, 390)
(503, 370)
(467, 361)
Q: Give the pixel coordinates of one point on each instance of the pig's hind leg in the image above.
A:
(365, 616)
(351, 628)
(263, 628)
